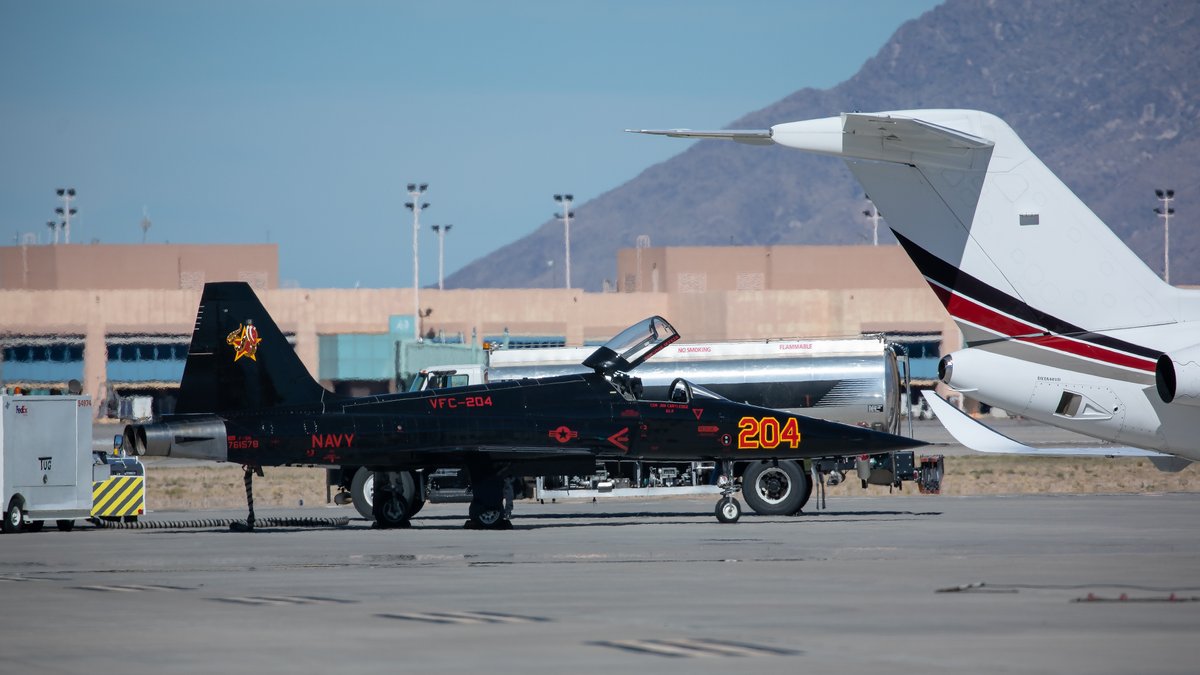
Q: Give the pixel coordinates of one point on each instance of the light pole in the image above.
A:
(566, 216)
(53, 229)
(66, 195)
(416, 205)
(1165, 212)
(873, 214)
(441, 233)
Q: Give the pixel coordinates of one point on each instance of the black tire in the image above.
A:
(362, 489)
(35, 526)
(486, 517)
(416, 501)
(487, 502)
(65, 525)
(776, 490)
(415, 506)
(728, 510)
(14, 518)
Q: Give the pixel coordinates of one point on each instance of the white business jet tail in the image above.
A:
(1009, 249)
(1062, 322)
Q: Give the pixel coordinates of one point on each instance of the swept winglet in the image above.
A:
(748, 136)
(980, 438)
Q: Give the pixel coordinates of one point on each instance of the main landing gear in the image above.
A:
(248, 479)
(728, 508)
(396, 496)
(487, 501)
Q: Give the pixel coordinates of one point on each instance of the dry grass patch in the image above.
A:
(220, 486)
(976, 475)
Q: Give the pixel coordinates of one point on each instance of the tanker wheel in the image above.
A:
(728, 510)
(776, 489)
(35, 526)
(487, 504)
(14, 519)
(487, 518)
(65, 525)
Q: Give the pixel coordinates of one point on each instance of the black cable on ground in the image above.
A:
(218, 523)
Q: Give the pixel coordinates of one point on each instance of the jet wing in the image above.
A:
(980, 438)
(748, 136)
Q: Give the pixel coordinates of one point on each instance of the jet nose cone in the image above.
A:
(882, 442)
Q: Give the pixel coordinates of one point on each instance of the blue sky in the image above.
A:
(301, 122)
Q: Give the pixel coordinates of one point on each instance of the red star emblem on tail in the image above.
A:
(244, 340)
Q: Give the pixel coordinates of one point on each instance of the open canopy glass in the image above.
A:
(632, 346)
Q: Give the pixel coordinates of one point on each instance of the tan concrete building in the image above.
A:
(715, 293)
(98, 267)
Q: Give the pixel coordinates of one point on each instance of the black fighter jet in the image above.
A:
(247, 398)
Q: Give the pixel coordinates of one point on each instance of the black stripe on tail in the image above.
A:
(239, 359)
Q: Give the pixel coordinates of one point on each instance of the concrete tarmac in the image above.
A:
(651, 586)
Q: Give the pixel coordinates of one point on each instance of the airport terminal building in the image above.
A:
(118, 318)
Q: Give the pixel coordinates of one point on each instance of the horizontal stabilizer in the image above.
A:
(891, 137)
(980, 438)
(749, 136)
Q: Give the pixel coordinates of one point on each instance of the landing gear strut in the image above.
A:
(728, 508)
(248, 479)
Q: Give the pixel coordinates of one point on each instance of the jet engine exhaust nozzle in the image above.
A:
(194, 439)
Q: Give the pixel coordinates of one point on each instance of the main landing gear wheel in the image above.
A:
(390, 498)
(729, 510)
(776, 488)
(362, 491)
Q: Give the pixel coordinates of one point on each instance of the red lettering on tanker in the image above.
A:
(332, 440)
(793, 345)
(455, 402)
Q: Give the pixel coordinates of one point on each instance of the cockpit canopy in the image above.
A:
(632, 346)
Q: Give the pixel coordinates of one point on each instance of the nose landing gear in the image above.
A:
(728, 509)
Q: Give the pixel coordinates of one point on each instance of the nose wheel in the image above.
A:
(728, 508)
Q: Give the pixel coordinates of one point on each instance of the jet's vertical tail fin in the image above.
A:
(239, 359)
(1008, 247)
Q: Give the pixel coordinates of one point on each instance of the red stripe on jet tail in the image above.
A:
(968, 310)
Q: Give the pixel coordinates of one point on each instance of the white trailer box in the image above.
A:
(46, 467)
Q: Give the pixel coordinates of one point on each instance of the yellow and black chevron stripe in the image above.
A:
(119, 496)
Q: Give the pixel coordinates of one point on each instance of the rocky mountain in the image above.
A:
(1106, 92)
